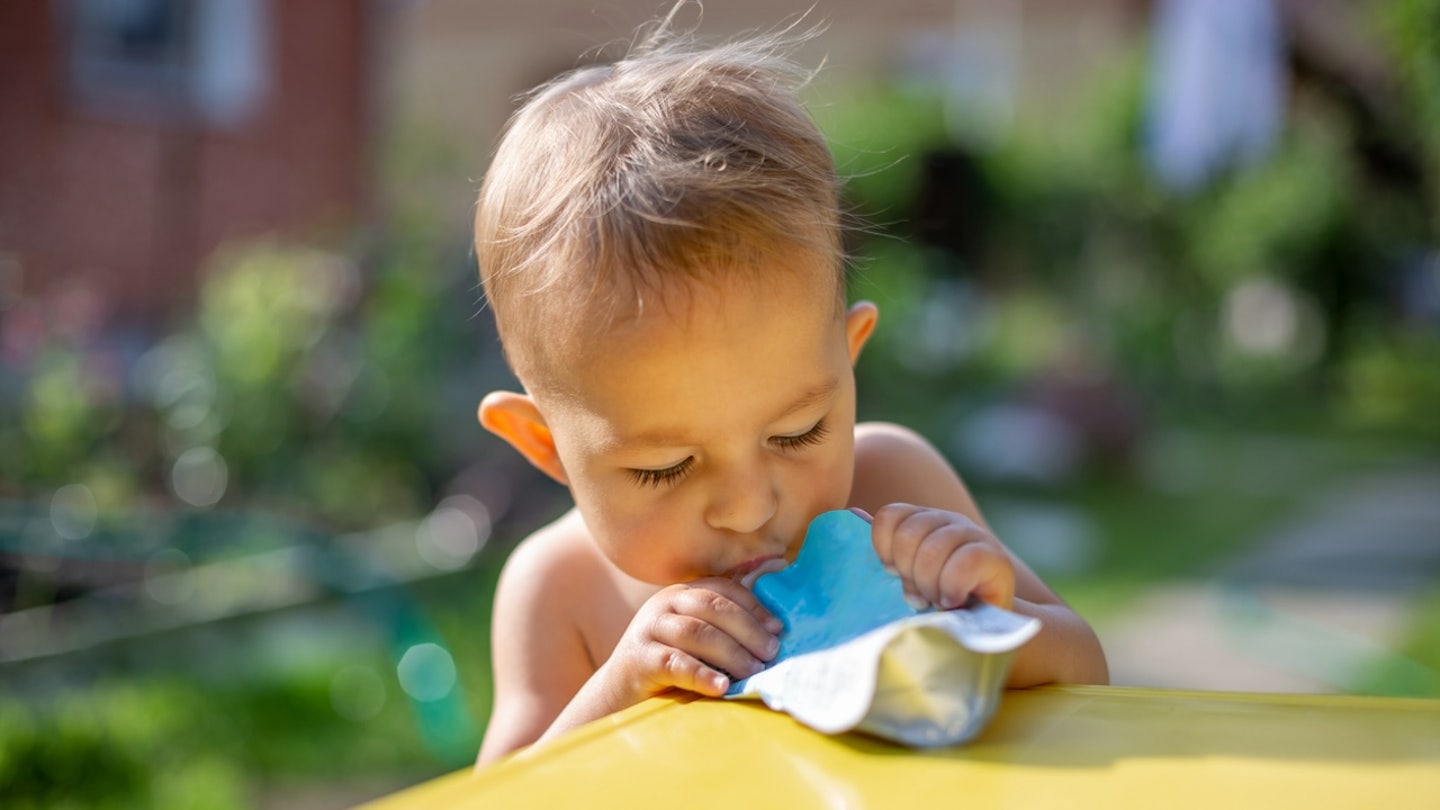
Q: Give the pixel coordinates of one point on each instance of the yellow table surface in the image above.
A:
(1054, 747)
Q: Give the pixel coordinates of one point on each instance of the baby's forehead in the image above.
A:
(711, 303)
(700, 315)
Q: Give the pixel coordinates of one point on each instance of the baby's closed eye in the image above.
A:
(813, 436)
(663, 476)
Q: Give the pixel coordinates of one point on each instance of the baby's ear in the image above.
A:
(859, 324)
(514, 418)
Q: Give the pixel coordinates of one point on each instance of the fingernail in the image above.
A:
(771, 647)
(774, 625)
(916, 602)
(720, 682)
(892, 570)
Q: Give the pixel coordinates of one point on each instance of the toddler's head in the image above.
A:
(623, 187)
(659, 240)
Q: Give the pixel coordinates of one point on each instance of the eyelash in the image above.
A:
(669, 475)
(659, 478)
(809, 438)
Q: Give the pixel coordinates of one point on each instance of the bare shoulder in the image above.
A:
(881, 442)
(890, 452)
(538, 643)
(559, 552)
(894, 464)
(552, 548)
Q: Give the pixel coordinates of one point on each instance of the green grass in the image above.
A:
(226, 735)
(1414, 670)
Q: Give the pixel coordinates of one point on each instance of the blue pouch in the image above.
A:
(855, 655)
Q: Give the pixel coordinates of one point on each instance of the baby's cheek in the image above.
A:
(826, 485)
(651, 552)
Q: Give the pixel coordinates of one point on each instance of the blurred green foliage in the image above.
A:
(1415, 670)
(251, 722)
(1079, 256)
(337, 382)
(1413, 30)
(173, 742)
(330, 391)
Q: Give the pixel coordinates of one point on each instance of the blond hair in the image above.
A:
(674, 163)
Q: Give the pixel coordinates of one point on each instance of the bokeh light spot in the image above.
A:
(427, 672)
(73, 511)
(454, 533)
(200, 476)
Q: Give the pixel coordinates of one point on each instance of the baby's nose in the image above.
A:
(743, 502)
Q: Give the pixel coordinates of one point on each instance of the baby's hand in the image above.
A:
(691, 636)
(943, 558)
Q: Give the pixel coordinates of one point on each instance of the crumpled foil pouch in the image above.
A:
(854, 655)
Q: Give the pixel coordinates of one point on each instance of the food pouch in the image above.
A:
(854, 655)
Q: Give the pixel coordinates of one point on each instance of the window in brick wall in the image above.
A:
(168, 59)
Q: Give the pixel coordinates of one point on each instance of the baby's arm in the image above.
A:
(694, 637)
(945, 553)
(537, 653)
(546, 679)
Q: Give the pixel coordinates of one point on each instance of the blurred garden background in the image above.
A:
(1163, 278)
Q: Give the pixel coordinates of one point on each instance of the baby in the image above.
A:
(660, 242)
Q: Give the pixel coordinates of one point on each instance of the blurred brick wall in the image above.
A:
(130, 203)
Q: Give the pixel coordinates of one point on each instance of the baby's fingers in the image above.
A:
(898, 531)
(710, 644)
(750, 633)
(678, 669)
(982, 570)
(943, 557)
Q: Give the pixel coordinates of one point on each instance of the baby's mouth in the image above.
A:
(769, 566)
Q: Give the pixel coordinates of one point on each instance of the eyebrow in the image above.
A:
(669, 438)
(812, 397)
